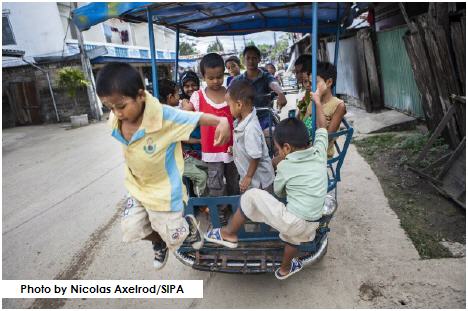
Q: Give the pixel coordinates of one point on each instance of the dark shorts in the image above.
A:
(265, 121)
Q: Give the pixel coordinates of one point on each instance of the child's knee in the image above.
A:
(171, 226)
(251, 193)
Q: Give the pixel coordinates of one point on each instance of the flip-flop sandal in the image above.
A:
(214, 236)
(296, 266)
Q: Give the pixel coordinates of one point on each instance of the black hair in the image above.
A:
(211, 60)
(234, 59)
(119, 78)
(293, 132)
(166, 88)
(184, 78)
(252, 48)
(306, 61)
(326, 71)
(242, 90)
(302, 59)
(271, 64)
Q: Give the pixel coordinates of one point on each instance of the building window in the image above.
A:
(7, 33)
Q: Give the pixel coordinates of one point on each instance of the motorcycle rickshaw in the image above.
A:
(259, 248)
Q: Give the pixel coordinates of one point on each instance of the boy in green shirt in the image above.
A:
(301, 178)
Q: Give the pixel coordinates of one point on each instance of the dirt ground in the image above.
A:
(429, 219)
(61, 220)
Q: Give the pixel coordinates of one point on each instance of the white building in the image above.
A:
(45, 34)
(52, 33)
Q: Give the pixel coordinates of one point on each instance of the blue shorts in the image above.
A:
(265, 121)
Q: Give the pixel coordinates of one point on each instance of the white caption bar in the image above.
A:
(102, 289)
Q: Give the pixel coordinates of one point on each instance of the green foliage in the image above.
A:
(410, 144)
(249, 43)
(71, 79)
(377, 143)
(186, 48)
(264, 49)
(215, 46)
(281, 45)
(413, 143)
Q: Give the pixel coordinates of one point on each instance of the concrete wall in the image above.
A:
(164, 38)
(138, 34)
(37, 27)
(65, 105)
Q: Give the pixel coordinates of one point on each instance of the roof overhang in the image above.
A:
(221, 18)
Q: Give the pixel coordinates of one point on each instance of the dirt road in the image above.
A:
(60, 220)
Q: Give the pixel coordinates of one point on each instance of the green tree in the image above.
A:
(71, 79)
(187, 48)
(281, 46)
(264, 49)
(215, 46)
(249, 43)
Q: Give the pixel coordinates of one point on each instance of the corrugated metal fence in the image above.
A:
(348, 75)
(399, 88)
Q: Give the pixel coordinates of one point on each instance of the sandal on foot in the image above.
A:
(214, 236)
(296, 266)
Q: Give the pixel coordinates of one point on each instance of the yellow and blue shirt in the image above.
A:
(154, 162)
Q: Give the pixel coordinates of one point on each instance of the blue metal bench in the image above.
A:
(261, 250)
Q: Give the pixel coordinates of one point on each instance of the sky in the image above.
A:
(265, 37)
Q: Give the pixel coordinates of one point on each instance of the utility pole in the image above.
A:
(274, 37)
(234, 41)
(96, 106)
(245, 44)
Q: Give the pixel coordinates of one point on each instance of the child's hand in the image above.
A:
(229, 151)
(245, 183)
(223, 132)
(316, 96)
(276, 160)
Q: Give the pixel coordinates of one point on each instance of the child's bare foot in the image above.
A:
(204, 210)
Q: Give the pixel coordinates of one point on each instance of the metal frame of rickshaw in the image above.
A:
(257, 251)
(267, 255)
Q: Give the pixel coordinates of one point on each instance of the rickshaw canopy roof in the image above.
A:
(220, 18)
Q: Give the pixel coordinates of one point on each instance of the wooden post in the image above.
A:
(364, 86)
(445, 79)
(459, 48)
(447, 117)
(371, 94)
(373, 74)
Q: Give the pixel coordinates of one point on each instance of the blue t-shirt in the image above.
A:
(229, 80)
(194, 147)
(262, 87)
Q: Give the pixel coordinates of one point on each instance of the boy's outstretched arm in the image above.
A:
(223, 130)
(321, 122)
(276, 87)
